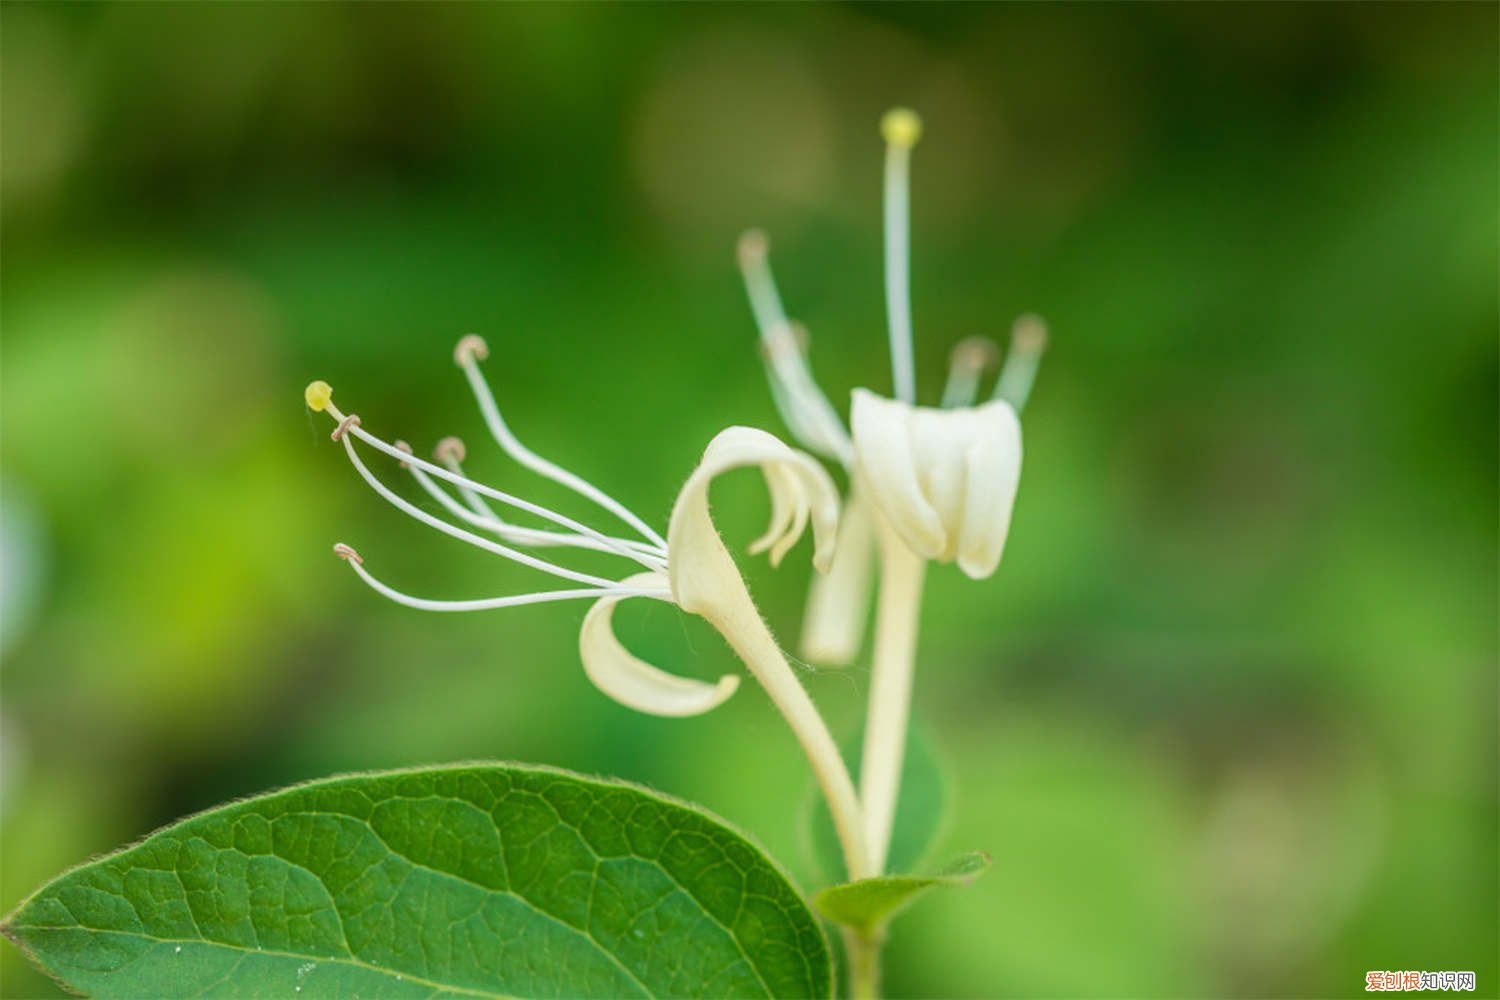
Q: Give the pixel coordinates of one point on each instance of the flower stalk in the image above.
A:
(740, 623)
(862, 956)
(898, 610)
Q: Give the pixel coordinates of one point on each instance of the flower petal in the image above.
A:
(632, 681)
(783, 492)
(699, 565)
(992, 471)
(838, 602)
(889, 463)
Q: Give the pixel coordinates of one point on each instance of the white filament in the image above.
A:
(897, 268)
(459, 533)
(494, 494)
(532, 536)
(801, 403)
(963, 385)
(970, 358)
(490, 603)
(476, 502)
(513, 447)
(1027, 342)
(515, 534)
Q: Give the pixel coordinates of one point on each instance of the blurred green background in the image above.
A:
(1226, 717)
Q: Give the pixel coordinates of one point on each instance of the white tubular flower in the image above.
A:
(944, 479)
(690, 568)
(701, 575)
(947, 477)
(926, 483)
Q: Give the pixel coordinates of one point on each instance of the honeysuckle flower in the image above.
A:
(689, 567)
(927, 483)
(944, 477)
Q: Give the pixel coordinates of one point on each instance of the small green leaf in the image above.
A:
(867, 905)
(921, 810)
(478, 880)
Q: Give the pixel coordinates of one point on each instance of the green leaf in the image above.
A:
(464, 881)
(869, 904)
(921, 810)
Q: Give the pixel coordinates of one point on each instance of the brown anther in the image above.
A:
(791, 336)
(450, 450)
(975, 354)
(1029, 333)
(753, 247)
(352, 420)
(348, 554)
(471, 347)
(403, 446)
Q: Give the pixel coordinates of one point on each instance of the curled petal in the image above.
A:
(699, 565)
(782, 490)
(632, 681)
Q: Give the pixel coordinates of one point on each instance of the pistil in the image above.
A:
(901, 128)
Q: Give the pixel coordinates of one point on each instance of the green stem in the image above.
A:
(862, 951)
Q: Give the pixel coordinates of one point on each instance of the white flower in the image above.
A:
(690, 567)
(925, 483)
(944, 478)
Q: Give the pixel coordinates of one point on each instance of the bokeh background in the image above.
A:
(1226, 717)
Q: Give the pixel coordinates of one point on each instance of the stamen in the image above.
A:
(625, 548)
(317, 394)
(968, 361)
(450, 450)
(524, 536)
(470, 347)
(465, 536)
(1028, 340)
(804, 407)
(404, 447)
(491, 603)
(473, 347)
(352, 420)
(901, 128)
(347, 553)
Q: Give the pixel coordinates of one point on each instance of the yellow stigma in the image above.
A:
(901, 127)
(318, 395)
